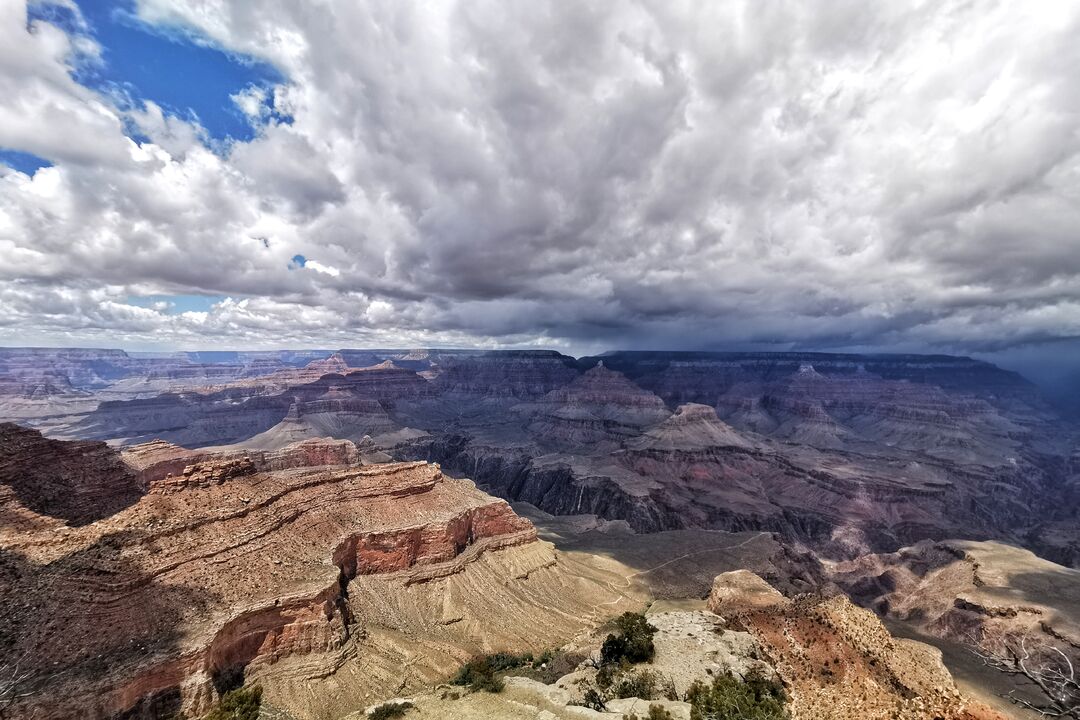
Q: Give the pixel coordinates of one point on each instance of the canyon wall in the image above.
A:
(848, 453)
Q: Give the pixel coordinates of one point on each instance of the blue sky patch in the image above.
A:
(142, 62)
(298, 261)
(177, 303)
(23, 161)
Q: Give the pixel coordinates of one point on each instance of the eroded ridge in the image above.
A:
(225, 564)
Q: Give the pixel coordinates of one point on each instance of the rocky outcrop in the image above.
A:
(395, 550)
(837, 660)
(158, 462)
(974, 593)
(204, 475)
(692, 427)
(237, 564)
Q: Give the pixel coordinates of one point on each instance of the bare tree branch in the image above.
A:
(13, 684)
(1047, 667)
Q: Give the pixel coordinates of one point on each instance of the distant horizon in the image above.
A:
(441, 348)
(1024, 369)
(1057, 375)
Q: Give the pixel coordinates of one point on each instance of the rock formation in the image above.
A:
(837, 660)
(77, 482)
(286, 566)
(597, 410)
(979, 594)
(692, 427)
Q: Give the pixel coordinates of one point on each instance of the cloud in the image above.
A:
(252, 102)
(320, 268)
(45, 112)
(832, 174)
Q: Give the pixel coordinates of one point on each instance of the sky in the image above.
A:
(582, 176)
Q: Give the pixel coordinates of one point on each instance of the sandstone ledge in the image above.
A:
(235, 567)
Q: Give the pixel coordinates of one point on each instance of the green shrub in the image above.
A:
(634, 643)
(641, 684)
(390, 710)
(729, 698)
(239, 704)
(479, 674)
(607, 673)
(548, 667)
(507, 661)
(485, 672)
(593, 700)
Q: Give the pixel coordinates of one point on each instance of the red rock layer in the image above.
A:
(155, 461)
(231, 568)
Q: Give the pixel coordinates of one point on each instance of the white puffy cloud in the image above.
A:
(583, 175)
(45, 112)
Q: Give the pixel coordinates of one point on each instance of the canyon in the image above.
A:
(316, 521)
(846, 454)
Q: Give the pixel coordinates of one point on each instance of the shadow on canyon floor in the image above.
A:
(678, 564)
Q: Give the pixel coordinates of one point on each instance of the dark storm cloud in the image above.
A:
(832, 174)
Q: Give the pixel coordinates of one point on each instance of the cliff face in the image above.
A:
(234, 565)
(519, 375)
(596, 410)
(841, 504)
(850, 454)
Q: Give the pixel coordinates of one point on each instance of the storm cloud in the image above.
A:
(579, 175)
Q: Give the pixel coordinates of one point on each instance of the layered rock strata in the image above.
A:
(845, 453)
(236, 564)
(73, 482)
